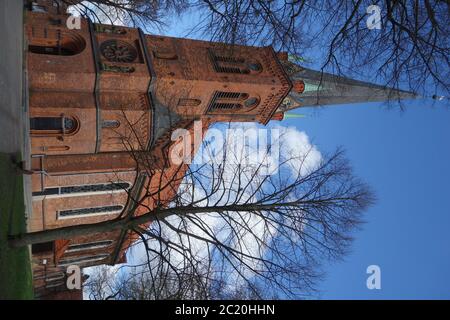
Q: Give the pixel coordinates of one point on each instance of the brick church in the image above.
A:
(101, 94)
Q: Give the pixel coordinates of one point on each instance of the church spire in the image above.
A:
(314, 88)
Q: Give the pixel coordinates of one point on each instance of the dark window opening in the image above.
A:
(88, 211)
(110, 124)
(57, 42)
(42, 247)
(51, 50)
(251, 102)
(53, 125)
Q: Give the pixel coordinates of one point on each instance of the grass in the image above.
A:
(15, 267)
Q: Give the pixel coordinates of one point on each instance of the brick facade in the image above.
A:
(101, 91)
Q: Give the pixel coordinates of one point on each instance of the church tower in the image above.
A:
(101, 96)
(98, 95)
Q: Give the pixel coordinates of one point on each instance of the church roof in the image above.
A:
(316, 88)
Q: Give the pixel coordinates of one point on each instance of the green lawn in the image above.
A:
(15, 267)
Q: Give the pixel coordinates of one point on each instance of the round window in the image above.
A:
(251, 102)
(69, 124)
(118, 51)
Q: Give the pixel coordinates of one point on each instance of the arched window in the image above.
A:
(82, 260)
(251, 102)
(230, 101)
(89, 246)
(53, 125)
(232, 64)
(111, 124)
(89, 212)
(84, 189)
(57, 42)
(165, 54)
(189, 102)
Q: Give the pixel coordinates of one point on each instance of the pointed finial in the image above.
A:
(293, 115)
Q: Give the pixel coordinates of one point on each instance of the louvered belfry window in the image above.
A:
(226, 63)
(227, 101)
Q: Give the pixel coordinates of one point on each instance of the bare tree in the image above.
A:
(137, 13)
(239, 222)
(137, 282)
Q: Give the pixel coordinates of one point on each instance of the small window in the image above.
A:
(251, 102)
(110, 124)
(55, 148)
(167, 55)
(255, 66)
(42, 247)
(189, 102)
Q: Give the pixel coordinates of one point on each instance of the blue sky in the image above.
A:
(405, 157)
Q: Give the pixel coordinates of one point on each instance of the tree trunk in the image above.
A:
(70, 232)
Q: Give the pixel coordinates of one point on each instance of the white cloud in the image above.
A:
(293, 144)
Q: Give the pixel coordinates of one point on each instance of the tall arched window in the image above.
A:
(84, 189)
(56, 42)
(89, 212)
(53, 125)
